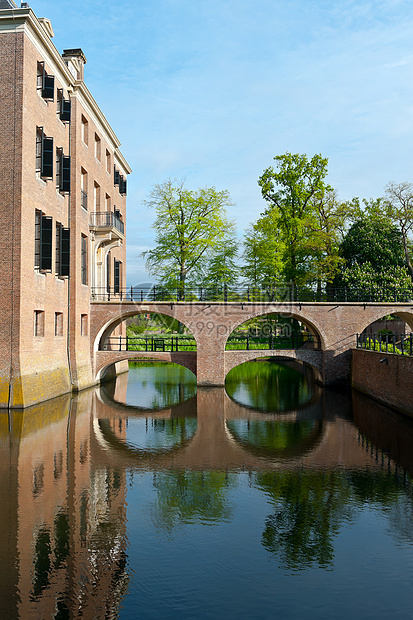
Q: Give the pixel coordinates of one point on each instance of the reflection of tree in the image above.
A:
(309, 509)
(390, 494)
(172, 384)
(188, 497)
(268, 386)
(275, 437)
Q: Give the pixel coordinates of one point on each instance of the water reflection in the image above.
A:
(105, 501)
(272, 385)
(156, 385)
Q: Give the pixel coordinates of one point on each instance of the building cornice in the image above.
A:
(18, 20)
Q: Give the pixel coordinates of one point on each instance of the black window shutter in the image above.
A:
(48, 87)
(122, 188)
(65, 111)
(46, 236)
(116, 177)
(65, 175)
(65, 252)
(47, 158)
(116, 276)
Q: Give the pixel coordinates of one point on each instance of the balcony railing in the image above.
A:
(106, 219)
(83, 199)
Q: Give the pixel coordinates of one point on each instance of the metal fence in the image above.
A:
(234, 343)
(282, 293)
(398, 344)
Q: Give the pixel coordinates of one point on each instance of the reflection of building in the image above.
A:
(62, 210)
(66, 520)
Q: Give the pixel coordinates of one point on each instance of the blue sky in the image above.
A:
(211, 91)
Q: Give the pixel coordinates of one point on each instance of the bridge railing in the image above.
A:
(398, 344)
(234, 343)
(282, 293)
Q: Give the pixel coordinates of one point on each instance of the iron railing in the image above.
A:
(106, 219)
(149, 343)
(399, 344)
(234, 343)
(280, 294)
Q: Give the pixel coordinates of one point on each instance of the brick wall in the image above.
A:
(389, 381)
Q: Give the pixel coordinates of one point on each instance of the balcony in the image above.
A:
(107, 223)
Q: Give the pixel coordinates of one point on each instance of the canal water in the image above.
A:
(147, 498)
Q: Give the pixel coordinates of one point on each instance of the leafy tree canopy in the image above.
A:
(189, 226)
(291, 188)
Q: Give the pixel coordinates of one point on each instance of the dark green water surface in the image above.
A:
(148, 498)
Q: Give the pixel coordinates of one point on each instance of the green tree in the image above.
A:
(325, 230)
(400, 198)
(264, 251)
(189, 226)
(373, 251)
(291, 189)
(222, 267)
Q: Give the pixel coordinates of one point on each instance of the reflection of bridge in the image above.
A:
(330, 442)
(211, 323)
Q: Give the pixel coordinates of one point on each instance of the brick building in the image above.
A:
(62, 211)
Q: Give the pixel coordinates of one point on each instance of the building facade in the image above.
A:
(62, 211)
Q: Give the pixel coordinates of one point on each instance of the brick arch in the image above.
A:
(404, 315)
(312, 358)
(107, 328)
(301, 316)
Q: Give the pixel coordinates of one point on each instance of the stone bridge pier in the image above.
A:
(211, 323)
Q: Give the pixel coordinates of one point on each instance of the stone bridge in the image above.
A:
(211, 323)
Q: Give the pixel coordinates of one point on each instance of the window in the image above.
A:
(83, 325)
(58, 244)
(122, 186)
(59, 153)
(117, 276)
(107, 203)
(39, 323)
(116, 176)
(107, 161)
(83, 188)
(58, 323)
(85, 130)
(84, 260)
(37, 237)
(96, 196)
(62, 259)
(42, 241)
(63, 107)
(97, 147)
(62, 172)
(44, 155)
(108, 265)
(45, 83)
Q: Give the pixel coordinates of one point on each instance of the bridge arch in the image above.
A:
(314, 359)
(108, 327)
(381, 312)
(316, 330)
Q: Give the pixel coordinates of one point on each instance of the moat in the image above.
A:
(151, 498)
